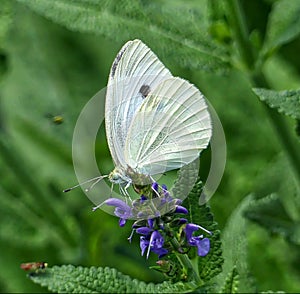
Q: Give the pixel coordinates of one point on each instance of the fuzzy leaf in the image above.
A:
(283, 24)
(178, 30)
(71, 279)
(210, 265)
(231, 282)
(271, 214)
(235, 250)
(287, 102)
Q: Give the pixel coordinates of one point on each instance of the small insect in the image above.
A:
(56, 119)
(155, 122)
(33, 266)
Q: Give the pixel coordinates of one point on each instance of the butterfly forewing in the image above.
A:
(169, 129)
(135, 72)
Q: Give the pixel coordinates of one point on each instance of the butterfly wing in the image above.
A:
(135, 72)
(169, 129)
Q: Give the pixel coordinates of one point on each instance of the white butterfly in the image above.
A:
(154, 122)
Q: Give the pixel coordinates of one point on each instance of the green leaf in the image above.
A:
(285, 185)
(283, 25)
(235, 250)
(271, 214)
(210, 265)
(178, 30)
(231, 282)
(71, 279)
(287, 102)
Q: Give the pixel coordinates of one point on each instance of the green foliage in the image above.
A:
(277, 207)
(271, 214)
(234, 246)
(283, 25)
(287, 102)
(172, 26)
(211, 264)
(71, 279)
(231, 282)
(5, 19)
(54, 55)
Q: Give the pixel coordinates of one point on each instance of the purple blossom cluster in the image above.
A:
(155, 231)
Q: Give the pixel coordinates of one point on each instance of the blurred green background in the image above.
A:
(48, 71)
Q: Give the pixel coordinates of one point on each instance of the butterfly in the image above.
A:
(155, 122)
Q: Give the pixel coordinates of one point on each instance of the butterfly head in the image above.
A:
(119, 176)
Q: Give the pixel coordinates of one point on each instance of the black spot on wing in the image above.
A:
(116, 61)
(145, 90)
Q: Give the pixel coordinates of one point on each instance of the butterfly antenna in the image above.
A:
(97, 179)
(111, 189)
(98, 206)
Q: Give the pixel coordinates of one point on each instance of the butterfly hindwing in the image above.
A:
(169, 129)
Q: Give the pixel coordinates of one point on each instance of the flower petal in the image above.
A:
(122, 222)
(144, 243)
(181, 209)
(144, 230)
(203, 247)
(189, 230)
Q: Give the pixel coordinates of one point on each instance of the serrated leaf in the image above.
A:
(283, 25)
(71, 279)
(175, 29)
(211, 264)
(287, 102)
(231, 282)
(271, 214)
(234, 246)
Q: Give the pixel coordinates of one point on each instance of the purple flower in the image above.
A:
(203, 244)
(122, 210)
(151, 239)
(181, 209)
(155, 244)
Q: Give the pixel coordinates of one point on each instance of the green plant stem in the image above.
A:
(185, 261)
(286, 137)
(238, 23)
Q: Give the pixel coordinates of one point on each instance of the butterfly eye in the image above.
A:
(114, 176)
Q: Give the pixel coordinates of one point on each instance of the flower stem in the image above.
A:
(287, 139)
(186, 262)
